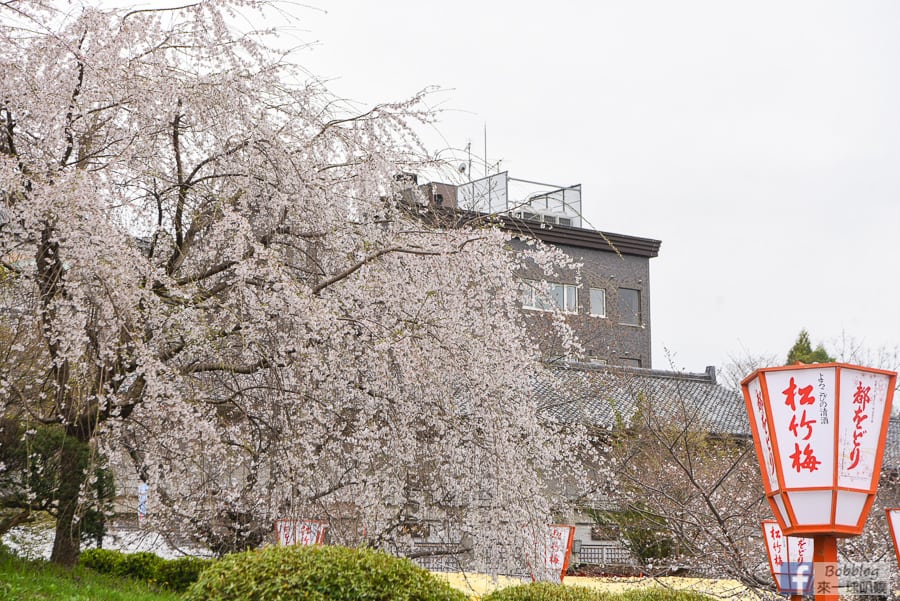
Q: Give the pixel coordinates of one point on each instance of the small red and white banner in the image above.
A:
(554, 550)
(787, 556)
(300, 532)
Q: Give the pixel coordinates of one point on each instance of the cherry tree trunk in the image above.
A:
(72, 475)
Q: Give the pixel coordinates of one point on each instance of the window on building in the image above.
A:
(564, 296)
(598, 302)
(531, 296)
(630, 306)
(630, 362)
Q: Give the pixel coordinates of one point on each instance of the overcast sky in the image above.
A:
(758, 140)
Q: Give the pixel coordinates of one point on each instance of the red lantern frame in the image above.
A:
(848, 505)
(893, 513)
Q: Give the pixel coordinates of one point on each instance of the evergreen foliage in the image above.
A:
(174, 574)
(179, 574)
(545, 591)
(803, 351)
(30, 454)
(645, 532)
(318, 573)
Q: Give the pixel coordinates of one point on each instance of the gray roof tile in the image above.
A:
(604, 396)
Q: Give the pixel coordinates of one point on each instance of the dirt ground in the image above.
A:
(478, 585)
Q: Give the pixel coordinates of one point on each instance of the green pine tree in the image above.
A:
(803, 352)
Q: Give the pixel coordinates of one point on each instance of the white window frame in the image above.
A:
(533, 299)
(593, 310)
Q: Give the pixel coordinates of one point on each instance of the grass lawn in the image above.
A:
(42, 581)
(38, 580)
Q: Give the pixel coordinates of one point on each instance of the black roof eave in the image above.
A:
(583, 238)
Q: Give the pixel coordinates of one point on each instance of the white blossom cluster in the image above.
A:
(207, 269)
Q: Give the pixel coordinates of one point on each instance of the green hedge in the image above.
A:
(662, 594)
(175, 574)
(546, 591)
(317, 574)
(179, 574)
(104, 561)
(140, 566)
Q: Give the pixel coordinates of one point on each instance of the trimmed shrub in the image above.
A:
(318, 574)
(547, 591)
(104, 561)
(662, 594)
(175, 574)
(140, 566)
(179, 574)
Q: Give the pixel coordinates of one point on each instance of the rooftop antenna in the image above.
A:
(469, 150)
(485, 150)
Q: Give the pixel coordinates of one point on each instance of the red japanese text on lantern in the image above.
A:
(554, 556)
(801, 550)
(764, 422)
(299, 532)
(777, 549)
(803, 458)
(860, 399)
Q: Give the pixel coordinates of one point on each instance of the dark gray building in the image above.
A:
(606, 302)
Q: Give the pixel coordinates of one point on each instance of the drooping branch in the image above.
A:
(214, 270)
(9, 128)
(157, 10)
(70, 118)
(355, 267)
(178, 254)
(209, 366)
(350, 270)
(336, 122)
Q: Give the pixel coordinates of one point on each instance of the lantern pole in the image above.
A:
(825, 560)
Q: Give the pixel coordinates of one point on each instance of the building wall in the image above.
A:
(605, 339)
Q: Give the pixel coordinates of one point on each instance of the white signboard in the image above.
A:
(554, 549)
(863, 399)
(557, 547)
(300, 532)
(802, 410)
(761, 423)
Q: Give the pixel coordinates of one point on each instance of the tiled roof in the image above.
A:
(604, 396)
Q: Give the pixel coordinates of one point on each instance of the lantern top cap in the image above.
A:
(798, 366)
